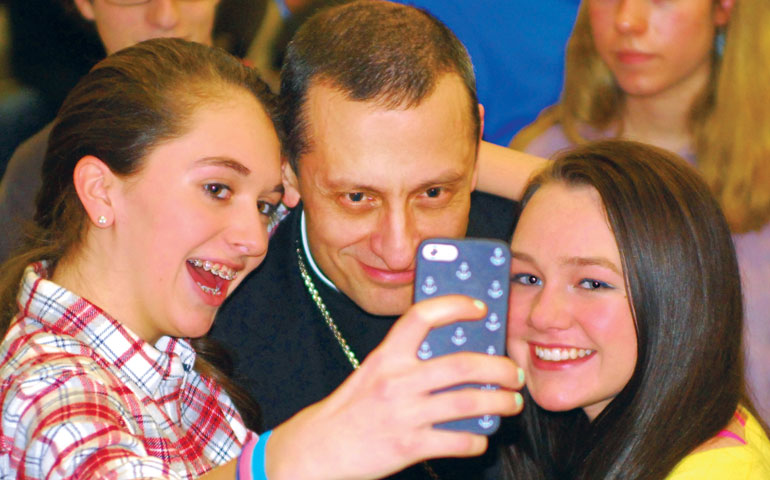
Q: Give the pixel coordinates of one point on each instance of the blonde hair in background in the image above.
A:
(729, 121)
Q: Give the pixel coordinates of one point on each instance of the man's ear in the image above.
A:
(475, 177)
(291, 194)
(86, 9)
(93, 181)
(722, 12)
(481, 121)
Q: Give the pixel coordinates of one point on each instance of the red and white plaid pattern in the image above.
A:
(84, 398)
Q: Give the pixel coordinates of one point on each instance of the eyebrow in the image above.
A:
(226, 162)
(577, 261)
(446, 178)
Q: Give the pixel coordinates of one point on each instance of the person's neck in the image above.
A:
(663, 119)
(88, 270)
(73, 271)
(658, 122)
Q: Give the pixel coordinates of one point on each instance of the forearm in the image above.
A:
(505, 172)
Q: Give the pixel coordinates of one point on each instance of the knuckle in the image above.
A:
(468, 444)
(385, 389)
(461, 365)
(405, 445)
(421, 314)
(465, 402)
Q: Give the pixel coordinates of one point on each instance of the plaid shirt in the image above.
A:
(83, 398)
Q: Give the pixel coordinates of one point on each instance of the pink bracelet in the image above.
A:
(243, 468)
(251, 461)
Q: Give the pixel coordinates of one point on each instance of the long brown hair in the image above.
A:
(729, 120)
(129, 103)
(682, 276)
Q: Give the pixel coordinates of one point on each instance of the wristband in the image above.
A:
(251, 461)
(258, 457)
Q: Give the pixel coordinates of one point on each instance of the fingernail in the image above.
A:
(521, 375)
(479, 304)
(519, 399)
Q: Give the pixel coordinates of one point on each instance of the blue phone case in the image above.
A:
(478, 268)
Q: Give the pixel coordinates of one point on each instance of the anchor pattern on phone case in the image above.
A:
(479, 274)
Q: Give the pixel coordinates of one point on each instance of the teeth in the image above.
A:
(221, 271)
(561, 354)
(209, 290)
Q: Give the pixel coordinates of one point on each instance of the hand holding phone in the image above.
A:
(478, 268)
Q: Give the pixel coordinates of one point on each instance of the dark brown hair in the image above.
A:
(130, 102)
(371, 51)
(682, 277)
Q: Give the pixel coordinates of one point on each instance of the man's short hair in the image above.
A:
(370, 51)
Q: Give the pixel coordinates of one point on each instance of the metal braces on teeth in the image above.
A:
(209, 290)
(210, 267)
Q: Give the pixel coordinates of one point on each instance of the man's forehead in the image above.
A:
(364, 135)
(334, 120)
(388, 97)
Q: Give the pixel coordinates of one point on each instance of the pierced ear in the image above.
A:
(86, 9)
(291, 194)
(722, 12)
(93, 179)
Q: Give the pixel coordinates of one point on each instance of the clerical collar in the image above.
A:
(306, 248)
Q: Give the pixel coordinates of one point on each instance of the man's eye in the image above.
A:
(433, 192)
(526, 279)
(218, 190)
(355, 196)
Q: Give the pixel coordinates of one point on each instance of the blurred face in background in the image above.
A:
(655, 46)
(122, 23)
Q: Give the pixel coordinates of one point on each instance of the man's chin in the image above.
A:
(389, 303)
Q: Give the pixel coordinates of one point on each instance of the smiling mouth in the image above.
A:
(389, 277)
(212, 278)
(561, 354)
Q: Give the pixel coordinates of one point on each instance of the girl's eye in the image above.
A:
(218, 190)
(527, 279)
(266, 208)
(591, 284)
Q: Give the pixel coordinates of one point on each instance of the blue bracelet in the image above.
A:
(258, 457)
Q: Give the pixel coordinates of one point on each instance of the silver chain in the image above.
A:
(351, 356)
(325, 312)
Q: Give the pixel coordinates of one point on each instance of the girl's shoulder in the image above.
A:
(546, 136)
(740, 451)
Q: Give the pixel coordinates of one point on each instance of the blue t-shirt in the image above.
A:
(517, 48)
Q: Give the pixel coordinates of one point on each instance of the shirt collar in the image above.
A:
(63, 312)
(310, 260)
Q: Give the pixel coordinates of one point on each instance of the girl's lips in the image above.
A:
(565, 356)
(632, 57)
(211, 288)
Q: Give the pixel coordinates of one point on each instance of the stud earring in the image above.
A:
(102, 220)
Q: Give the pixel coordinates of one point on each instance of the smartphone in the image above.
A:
(478, 268)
